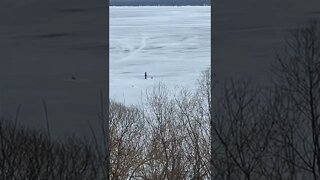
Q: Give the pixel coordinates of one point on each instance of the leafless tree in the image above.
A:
(297, 75)
(242, 130)
(30, 154)
(127, 132)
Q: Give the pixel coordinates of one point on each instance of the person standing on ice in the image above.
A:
(145, 75)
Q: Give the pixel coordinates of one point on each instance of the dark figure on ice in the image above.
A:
(73, 77)
(145, 75)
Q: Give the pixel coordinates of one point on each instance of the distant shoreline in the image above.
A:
(159, 5)
(164, 6)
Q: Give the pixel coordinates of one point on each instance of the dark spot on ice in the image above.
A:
(53, 35)
(191, 48)
(184, 38)
(153, 47)
(43, 36)
(73, 77)
(133, 64)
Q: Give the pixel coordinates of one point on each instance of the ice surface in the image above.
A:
(171, 44)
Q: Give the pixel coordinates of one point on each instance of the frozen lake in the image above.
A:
(171, 44)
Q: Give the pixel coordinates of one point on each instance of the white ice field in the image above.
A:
(171, 44)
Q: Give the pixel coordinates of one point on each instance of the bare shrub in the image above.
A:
(27, 154)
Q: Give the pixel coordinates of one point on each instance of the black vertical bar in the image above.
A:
(107, 134)
(212, 93)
